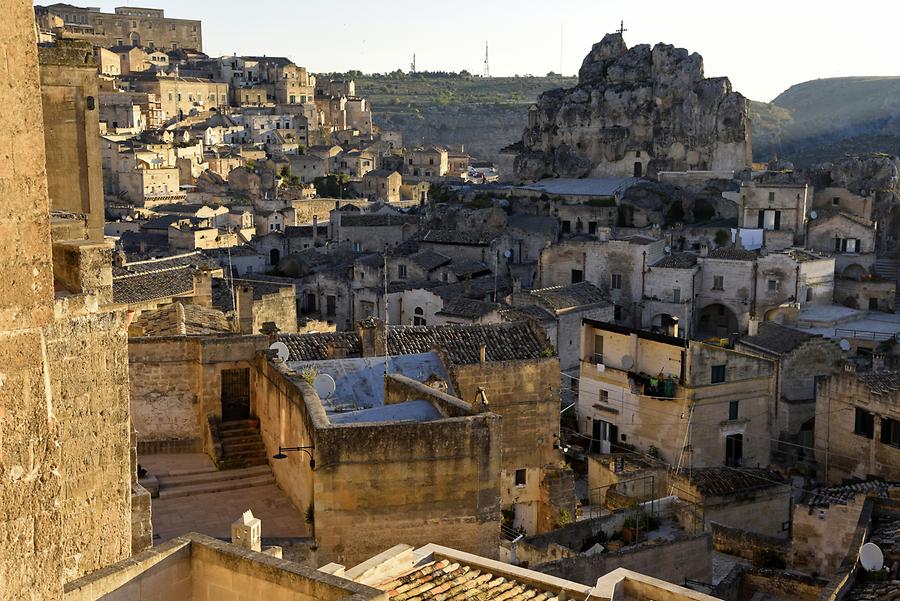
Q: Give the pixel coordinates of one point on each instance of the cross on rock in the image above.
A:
(622, 27)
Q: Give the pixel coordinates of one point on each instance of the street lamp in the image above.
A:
(282, 450)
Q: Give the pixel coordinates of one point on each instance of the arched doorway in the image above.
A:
(135, 38)
(274, 257)
(665, 324)
(854, 271)
(638, 169)
(716, 320)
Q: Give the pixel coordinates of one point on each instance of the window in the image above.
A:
(769, 220)
(771, 197)
(401, 272)
(846, 245)
(566, 227)
(419, 317)
(864, 424)
(592, 227)
(331, 305)
(577, 276)
(718, 282)
(890, 432)
(773, 285)
(809, 295)
(733, 407)
(873, 304)
(357, 247)
(734, 450)
(676, 295)
(835, 201)
(717, 374)
(598, 349)
(617, 312)
(520, 477)
(604, 396)
(616, 281)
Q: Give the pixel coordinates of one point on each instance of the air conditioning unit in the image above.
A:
(604, 446)
(601, 368)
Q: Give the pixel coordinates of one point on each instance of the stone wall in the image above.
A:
(821, 536)
(379, 484)
(746, 544)
(687, 558)
(176, 381)
(89, 382)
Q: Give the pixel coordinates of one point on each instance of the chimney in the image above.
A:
(315, 229)
(878, 362)
(243, 309)
(203, 288)
(482, 354)
(517, 285)
(704, 249)
(753, 326)
(371, 337)
(334, 350)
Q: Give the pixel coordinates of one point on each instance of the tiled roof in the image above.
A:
(881, 382)
(380, 173)
(539, 224)
(733, 254)
(223, 299)
(463, 238)
(802, 255)
(677, 261)
(192, 259)
(429, 259)
(720, 481)
(378, 220)
(840, 495)
(828, 212)
(151, 285)
(573, 295)
(778, 339)
(503, 342)
(466, 307)
(885, 534)
(527, 312)
(466, 268)
(196, 320)
(477, 288)
(444, 580)
(638, 240)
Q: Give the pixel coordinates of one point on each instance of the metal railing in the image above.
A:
(864, 334)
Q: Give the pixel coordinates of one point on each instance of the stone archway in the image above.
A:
(854, 271)
(716, 321)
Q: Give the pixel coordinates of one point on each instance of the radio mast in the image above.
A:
(487, 66)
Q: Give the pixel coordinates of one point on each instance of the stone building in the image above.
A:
(371, 232)
(779, 210)
(510, 367)
(382, 184)
(132, 26)
(858, 426)
(800, 359)
(427, 162)
(570, 136)
(180, 96)
(696, 404)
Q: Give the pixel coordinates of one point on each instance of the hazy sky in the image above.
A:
(763, 47)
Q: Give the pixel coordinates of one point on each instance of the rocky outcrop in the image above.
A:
(636, 111)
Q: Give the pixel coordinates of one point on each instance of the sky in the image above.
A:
(763, 47)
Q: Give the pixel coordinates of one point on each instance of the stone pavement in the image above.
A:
(213, 513)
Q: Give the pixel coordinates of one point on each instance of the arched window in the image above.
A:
(274, 256)
(419, 317)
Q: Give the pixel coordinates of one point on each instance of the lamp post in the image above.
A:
(282, 450)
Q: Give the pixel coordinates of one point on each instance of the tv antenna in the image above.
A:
(487, 66)
(412, 65)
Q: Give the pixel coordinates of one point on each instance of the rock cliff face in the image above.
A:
(636, 111)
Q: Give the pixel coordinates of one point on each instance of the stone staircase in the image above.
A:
(242, 445)
(210, 480)
(886, 268)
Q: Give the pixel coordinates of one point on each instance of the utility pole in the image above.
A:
(487, 66)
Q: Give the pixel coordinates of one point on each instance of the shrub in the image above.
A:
(767, 558)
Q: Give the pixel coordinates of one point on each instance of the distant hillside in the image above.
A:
(811, 122)
(484, 114)
(824, 119)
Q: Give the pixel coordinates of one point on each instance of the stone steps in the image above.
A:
(202, 488)
(242, 445)
(213, 476)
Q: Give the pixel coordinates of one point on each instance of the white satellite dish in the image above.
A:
(871, 557)
(845, 344)
(507, 253)
(282, 350)
(325, 386)
(813, 214)
(627, 361)
(668, 249)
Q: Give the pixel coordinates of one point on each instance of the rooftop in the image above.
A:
(150, 285)
(378, 220)
(733, 254)
(581, 294)
(467, 307)
(180, 319)
(460, 343)
(682, 260)
(462, 238)
(429, 259)
(887, 382)
(777, 339)
(840, 495)
(723, 481)
(607, 186)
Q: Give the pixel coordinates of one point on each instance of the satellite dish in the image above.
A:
(813, 214)
(282, 350)
(871, 557)
(627, 361)
(845, 344)
(668, 249)
(324, 385)
(507, 253)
